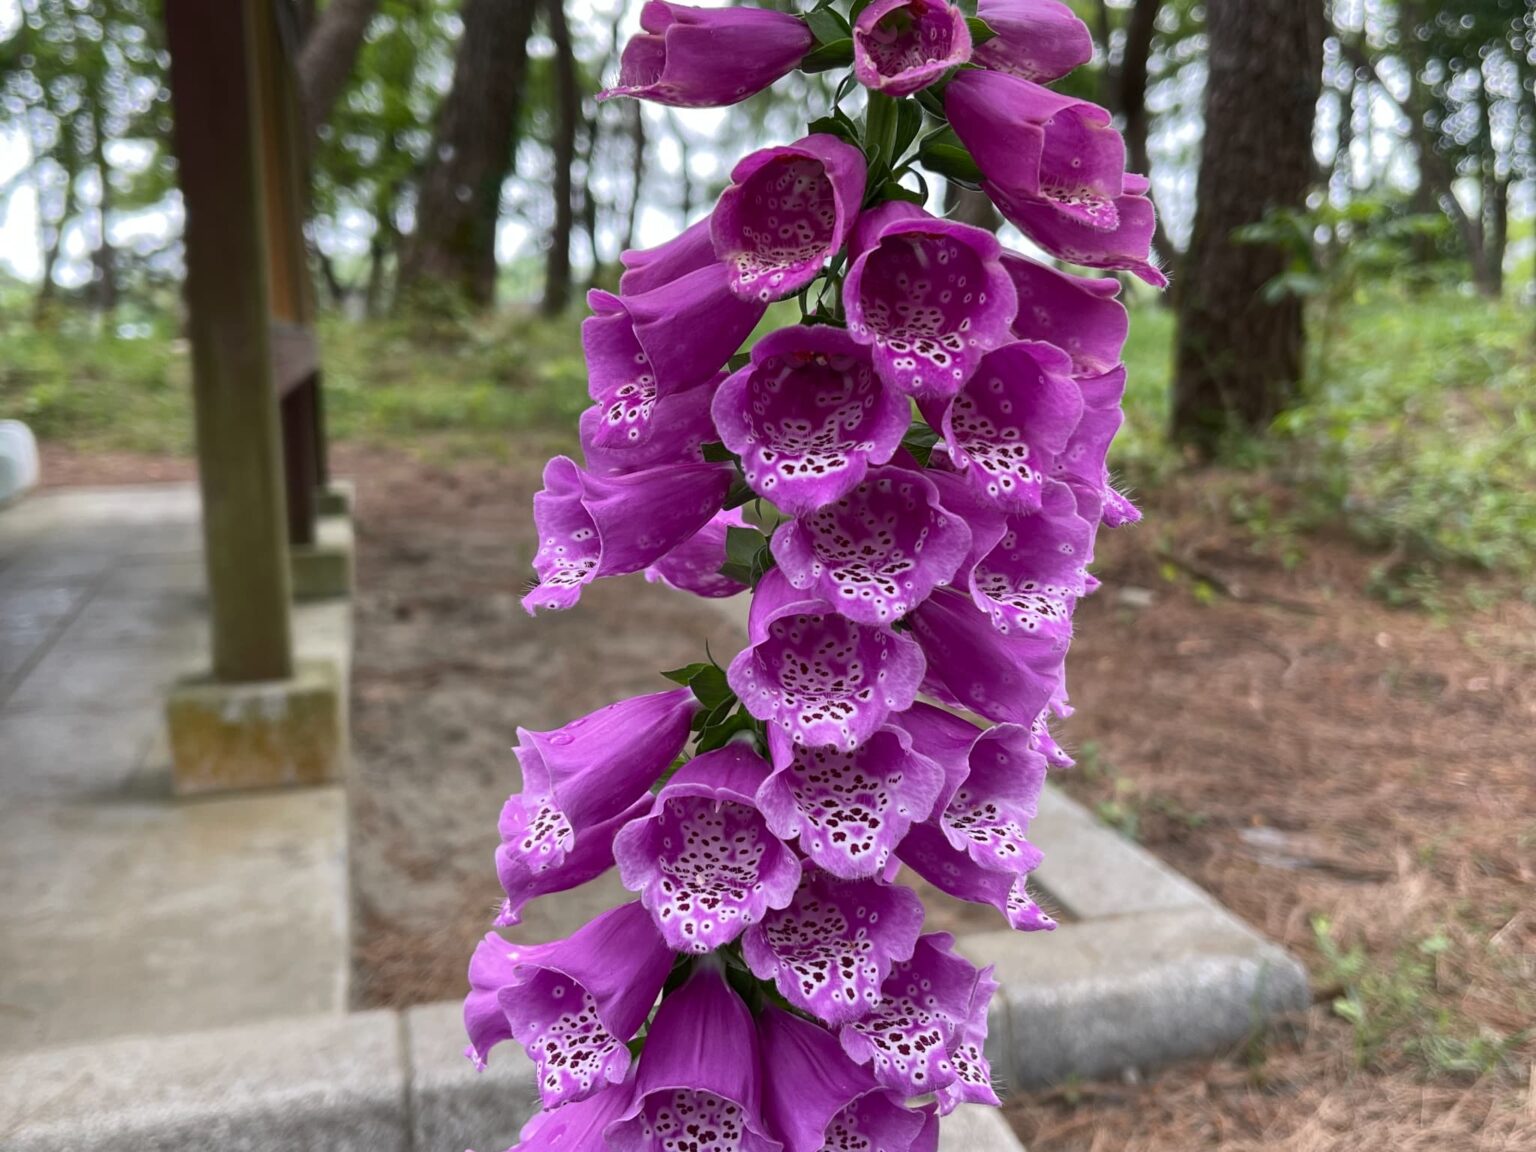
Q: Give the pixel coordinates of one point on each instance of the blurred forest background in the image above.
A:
(467, 187)
(1310, 680)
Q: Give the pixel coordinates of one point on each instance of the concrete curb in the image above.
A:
(368, 1082)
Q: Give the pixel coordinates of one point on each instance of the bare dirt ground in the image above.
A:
(1357, 781)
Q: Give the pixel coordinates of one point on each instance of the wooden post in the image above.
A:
(214, 98)
(288, 282)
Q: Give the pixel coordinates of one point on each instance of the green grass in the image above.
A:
(1418, 429)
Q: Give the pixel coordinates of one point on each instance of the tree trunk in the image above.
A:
(473, 149)
(637, 171)
(104, 258)
(557, 264)
(1239, 357)
(327, 56)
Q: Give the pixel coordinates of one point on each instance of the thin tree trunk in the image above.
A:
(557, 265)
(1239, 357)
(637, 171)
(474, 146)
(1128, 90)
(328, 54)
(104, 258)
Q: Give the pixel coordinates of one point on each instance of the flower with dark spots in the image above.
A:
(831, 949)
(926, 1007)
(928, 296)
(703, 859)
(1032, 579)
(1006, 427)
(786, 211)
(1055, 168)
(694, 565)
(902, 46)
(848, 810)
(1078, 314)
(878, 551)
(820, 677)
(820, 1101)
(698, 1087)
(808, 416)
(572, 1004)
(595, 526)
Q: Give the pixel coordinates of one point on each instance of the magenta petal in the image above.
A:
(572, 1004)
(1004, 429)
(1031, 581)
(786, 211)
(1040, 40)
(701, 1066)
(527, 863)
(635, 429)
(831, 949)
(703, 859)
(816, 1098)
(648, 268)
(604, 761)
(694, 565)
(808, 416)
(983, 519)
(925, 1004)
(973, 1073)
(972, 666)
(944, 738)
(901, 46)
(1078, 314)
(988, 816)
(877, 552)
(1082, 464)
(575, 1127)
(595, 526)
(819, 676)
(929, 296)
(849, 810)
(708, 57)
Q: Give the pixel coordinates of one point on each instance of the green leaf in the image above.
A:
(981, 31)
(685, 674)
(717, 453)
(742, 544)
(838, 54)
(718, 735)
(838, 124)
(738, 494)
(909, 122)
(920, 441)
(949, 159)
(932, 102)
(711, 688)
(891, 190)
(828, 26)
(739, 361)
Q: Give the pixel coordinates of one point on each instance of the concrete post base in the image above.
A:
(335, 499)
(323, 570)
(281, 732)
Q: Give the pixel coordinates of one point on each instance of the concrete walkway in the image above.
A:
(125, 911)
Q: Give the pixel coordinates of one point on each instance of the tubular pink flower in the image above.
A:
(595, 526)
(573, 1004)
(633, 429)
(1031, 581)
(699, 1083)
(703, 859)
(819, 676)
(878, 551)
(971, 665)
(848, 810)
(1039, 40)
(694, 565)
(708, 57)
(787, 210)
(902, 46)
(929, 296)
(832, 947)
(665, 340)
(808, 416)
(525, 874)
(926, 1008)
(575, 1127)
(1078, 314)
(1055, 168)
(649, 268)
(816, 1098)
(1006, 427)
(1082, 463)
